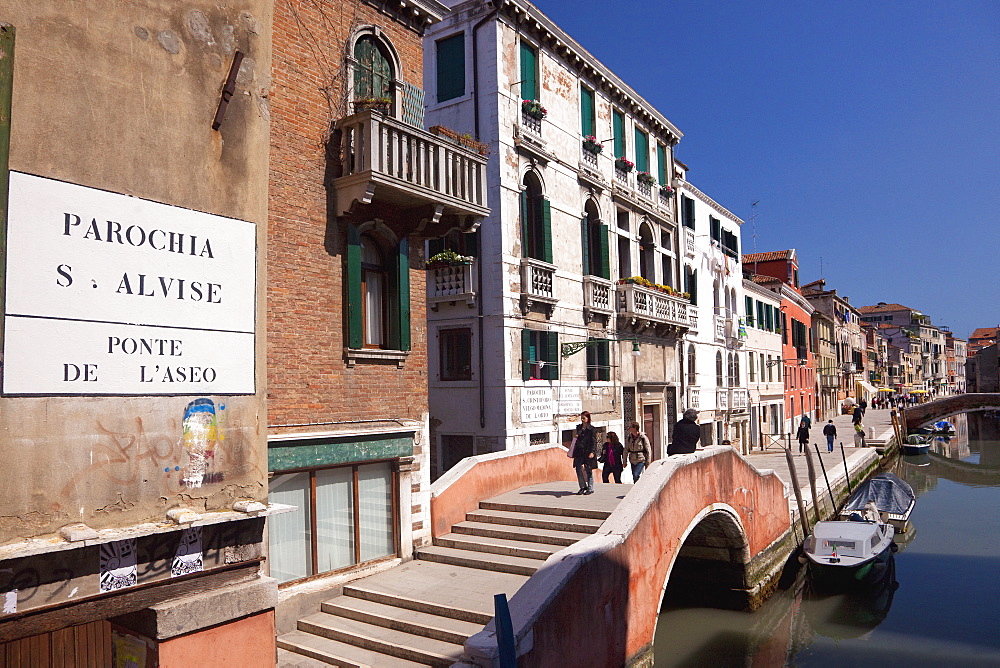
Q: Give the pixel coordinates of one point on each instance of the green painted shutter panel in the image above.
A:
(451, 67)
(587, 126)
(546, 230)
(661, 163)
(748, 309)
(604, 256)
(401, 321)
(604, 360)
(618, 120)
(592, 363)
(525, 354)
(529, 72)
(585, 240)
(354, 321)
(694, 287)
(641, 151)
(715, 228)
(525, 240)
(551, 356)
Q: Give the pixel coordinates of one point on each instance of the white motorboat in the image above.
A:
(850, 552)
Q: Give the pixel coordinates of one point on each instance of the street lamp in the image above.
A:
(572, 348)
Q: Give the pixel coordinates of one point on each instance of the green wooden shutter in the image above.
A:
(585, 247)
(399, 323)
(618, 123)
(451, 67)
(604, 257)
(715, 228)
(525, 239)
(592, 363)
(604, 361)
(694, 287)
(525, 354)
(355, 337)
(587, 126)
(661, 163)
(529, 72)
(546, 230)
(641, 151)
(551, 371)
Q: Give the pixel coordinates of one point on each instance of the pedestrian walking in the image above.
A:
(585, 452)
(637, 446)
(686, 434)
(803, 435)
(830, 431)
(613, 458)
(857, 415)
(863, 405)
(807, 420)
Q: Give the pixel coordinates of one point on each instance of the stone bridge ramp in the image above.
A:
(422, 612)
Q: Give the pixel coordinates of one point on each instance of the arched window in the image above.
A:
(373, 73)
(719, 378)
(646, 253)
(536, 221)
(751, 368)
(596, 259)
(373, 292)
(692, 376)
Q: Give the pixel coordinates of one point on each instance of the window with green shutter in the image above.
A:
(618, 127)
(598, 360)
(641, 151)
(450, 67)
(587, 112)
(748, 310)
(539, 355)
(661, 163)
(536, 221)
(378, 292)
(529, 72)
(687, 211)
(715, 228)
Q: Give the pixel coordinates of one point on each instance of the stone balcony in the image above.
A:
(739, 398)
(690, 248)
(537, 284)
(722, 399)
(597, 296)
(436, 184)
(451, 285)
(648, 307)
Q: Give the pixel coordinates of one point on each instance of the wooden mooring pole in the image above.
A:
(812, 481)
(798, 492)
(833, 501)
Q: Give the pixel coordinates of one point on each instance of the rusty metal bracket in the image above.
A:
(227, 90)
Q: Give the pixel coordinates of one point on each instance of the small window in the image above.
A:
(599, 360)
(588, 126)
(692, 376)
(687, 211)
(715, 228)
(450, 67)
(539, 355)
(641, 151)
(529, 72)
(455, 346)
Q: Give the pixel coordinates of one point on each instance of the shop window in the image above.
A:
(344, 517)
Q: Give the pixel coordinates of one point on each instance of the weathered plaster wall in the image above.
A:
(121, 97)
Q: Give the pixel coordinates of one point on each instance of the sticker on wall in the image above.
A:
(118, 565)
(188, 556)
(200, 437)
(10, 602)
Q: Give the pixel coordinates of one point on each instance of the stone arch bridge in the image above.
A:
(708, 521)
(932, 411)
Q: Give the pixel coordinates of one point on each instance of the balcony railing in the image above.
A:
(450, 284)
(645, 189)
(692, 317)
(720, 328)
(538, 281)
(621, 175)
(597, 295)
(694, 397)
(722, 400)
(636, 301)
(385, 160)
(531, 123)
(589, 158)
(739, 398)
(829, 381)
(689, 242)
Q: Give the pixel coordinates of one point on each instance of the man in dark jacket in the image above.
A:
(830, 431)
(686, 434)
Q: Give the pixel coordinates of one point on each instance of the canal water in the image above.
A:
(941, 609)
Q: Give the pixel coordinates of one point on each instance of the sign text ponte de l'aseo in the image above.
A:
(111, 294)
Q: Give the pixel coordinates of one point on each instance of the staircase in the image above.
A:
(422, 612)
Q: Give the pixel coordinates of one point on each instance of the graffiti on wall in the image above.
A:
(200, 437)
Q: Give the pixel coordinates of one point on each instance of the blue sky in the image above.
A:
(868, 131)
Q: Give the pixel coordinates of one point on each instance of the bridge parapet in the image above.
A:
(712, 506)
(932, 411)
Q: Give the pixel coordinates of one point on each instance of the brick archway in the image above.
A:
(925, 414)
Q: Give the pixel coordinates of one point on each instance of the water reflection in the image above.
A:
(939, 608)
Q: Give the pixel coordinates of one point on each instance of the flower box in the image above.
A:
(447, 258)
(377, 104)
(534, 109)
(465, 140)
(624, 164)
(666, 190)
(645, 178)
(591, 144)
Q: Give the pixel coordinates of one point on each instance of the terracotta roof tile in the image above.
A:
(882, 308)
(769, 256)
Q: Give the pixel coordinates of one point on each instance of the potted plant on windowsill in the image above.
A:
(624, 164)
(645, 178)
(379, 104)
(591, 144)
(447, 258)
(666, 190)
(534, 109)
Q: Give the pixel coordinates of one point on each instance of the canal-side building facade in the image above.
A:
(716, 361)
(850, 361)
(764, 380)
(829, 375)
(133, 210)
(570, 299)
(956, 354)
(929, 340)
(357, 186)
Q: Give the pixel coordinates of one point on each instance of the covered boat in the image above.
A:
(892, 496)
(846, 554)
(916, 444)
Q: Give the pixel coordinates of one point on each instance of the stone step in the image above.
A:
(394, 643)
(490, 530)
(490, 562)
(514, 548)
(535, 520)
(425, 624)
(540, 509)
(298, 648)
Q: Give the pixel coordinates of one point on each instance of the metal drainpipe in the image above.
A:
(479, 237)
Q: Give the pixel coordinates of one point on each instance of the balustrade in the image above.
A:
(653, 305)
